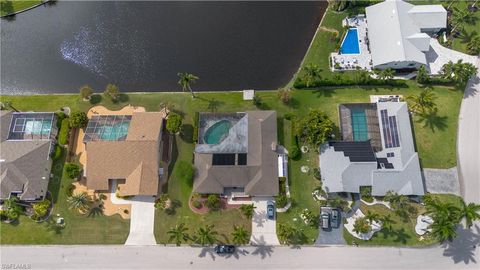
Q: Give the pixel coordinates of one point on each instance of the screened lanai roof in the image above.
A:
(107, 128)
(30, 126)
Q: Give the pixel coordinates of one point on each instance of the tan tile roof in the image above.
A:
(136, 159)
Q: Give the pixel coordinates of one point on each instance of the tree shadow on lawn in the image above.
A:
(462, 248)
(433, 121)
(187, 133)
(324, 92)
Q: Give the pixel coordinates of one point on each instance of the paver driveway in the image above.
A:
(264, 231)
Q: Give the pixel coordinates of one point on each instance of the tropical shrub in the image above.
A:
(78, 120)
(213, 202)
(112, 92)
(294, 152)
(186, 172)
(361, 225)
(247, 210)
(174, 123)
(366, 193)
(72, 170)
(289, 116)
(315, 128)
(161, 202)
(257, 100)
(281, 201)
(197, 204)
(284, 95)
(40, 209)
(60, 116)
(64, 131)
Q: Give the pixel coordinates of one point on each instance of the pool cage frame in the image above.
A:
(96, 127)
(17, 130)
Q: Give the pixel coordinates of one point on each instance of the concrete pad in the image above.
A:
(442, 181)
(264, 231)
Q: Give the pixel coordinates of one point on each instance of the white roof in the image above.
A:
(390, 23)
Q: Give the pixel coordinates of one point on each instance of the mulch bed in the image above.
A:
(203, 209)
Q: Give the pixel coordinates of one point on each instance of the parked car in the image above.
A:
(325, 220)
(335, 218)
(223, 249)
(270, 210)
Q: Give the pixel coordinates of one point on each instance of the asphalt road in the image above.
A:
(468, 141)
(265, 257)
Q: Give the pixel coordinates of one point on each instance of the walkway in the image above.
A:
(438, 56)
(442, 181)
(142, 217)
(264, 231)
(468, 141)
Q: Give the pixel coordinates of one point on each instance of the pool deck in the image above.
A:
(363, 60)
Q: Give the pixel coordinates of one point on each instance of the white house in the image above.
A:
(399, 33)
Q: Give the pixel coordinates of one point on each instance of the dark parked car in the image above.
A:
(270, 210)
(335, 218)
(222, 249)
(325, 221)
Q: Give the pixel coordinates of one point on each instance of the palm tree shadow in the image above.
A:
(237, 254)
(259, 219)
(207, 251)
(433, 121)
(462, 248)
(401, 236)
(214, 104)
(328, 92)
(261, 249)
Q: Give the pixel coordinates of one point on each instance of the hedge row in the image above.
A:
(346, 81)
(64, 131)
(195, 126)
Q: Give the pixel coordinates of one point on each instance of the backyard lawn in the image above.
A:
(9, 6)
(79, 229)
(402, 232)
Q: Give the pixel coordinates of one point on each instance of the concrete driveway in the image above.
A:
(142, 218)
(333, 236)
(468, 141)
(264, 231)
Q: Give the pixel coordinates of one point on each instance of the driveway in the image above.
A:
(264, 231)
(333, 236)
(468, 141)
(142, 218)
(442, 181)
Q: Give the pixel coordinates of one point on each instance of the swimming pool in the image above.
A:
(38, 127)
(217, 132)
(359, 124)
(350, 42)
(114, 132)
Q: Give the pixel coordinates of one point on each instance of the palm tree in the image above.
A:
(206, 235)
(443, 229)
(386, 74)
(387, 221)
(470, 212)
(247, 210)
(423, 102)
(9, 104)
(312, 72)
(78, 201)
(370, 216)
(185, 80)
(473, 45)
(178, 234)
(460, 17)
(240, 235)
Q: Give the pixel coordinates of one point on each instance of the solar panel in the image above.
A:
(223, 159)
(390, 131)
(356, 151)
(242, 159)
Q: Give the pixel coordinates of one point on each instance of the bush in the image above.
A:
(257, 100)
(361, 225)
(247, 210)
(72, 170)
(78, 120)
(284, 95)
(315, 128)
(289, 116)
(69, 190)
(366, 194)
(86, 91)
(174, 123)
(186, 172)
(345, 80)
(60, 116)
(196, 120)
(294, 153)
(197, 204)
(282, 182)
(316, 174)
(213, 202)
(41, 208)
(112, 92)
(281, 201)
(57, 152)
(161, 202)
(64, 131)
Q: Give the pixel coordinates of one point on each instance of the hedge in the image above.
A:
(196, 119)
(64, 131)
(57, 152)
(346, 81)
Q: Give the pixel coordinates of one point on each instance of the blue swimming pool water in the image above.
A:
(359, 125)
(115, 132)
(350, 43)
(217, 132)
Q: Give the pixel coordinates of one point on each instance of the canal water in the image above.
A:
(141, 46)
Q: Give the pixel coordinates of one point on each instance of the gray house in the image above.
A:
(378, 151)
(236, 154)
(26, 143)
(399, 32)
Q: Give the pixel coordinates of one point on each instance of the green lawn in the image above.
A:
(79, 229)
(438, 138)
(8, 6)
(402, 232)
